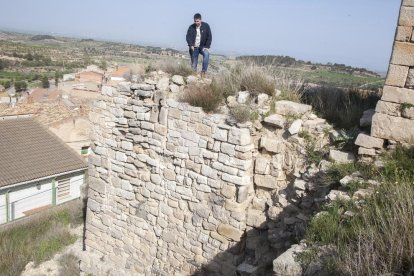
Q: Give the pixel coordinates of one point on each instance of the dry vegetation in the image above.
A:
(378, 239)
(37, 240)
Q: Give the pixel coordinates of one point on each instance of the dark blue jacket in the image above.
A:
(206, 37)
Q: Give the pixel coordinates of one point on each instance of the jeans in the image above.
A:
(194, 58)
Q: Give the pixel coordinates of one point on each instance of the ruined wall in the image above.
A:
(395, 111)
(173, 190)
(167, 185)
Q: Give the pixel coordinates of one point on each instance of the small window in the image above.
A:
(85, 150)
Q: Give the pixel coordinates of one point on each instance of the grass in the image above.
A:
(377, 239)
(343, 108)
(203, 96)
(313, 153)
(35, 241)
(176, 68)
(242, 77)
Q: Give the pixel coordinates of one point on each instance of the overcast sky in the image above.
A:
(354, 32)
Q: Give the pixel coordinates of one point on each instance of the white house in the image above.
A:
(37, 170)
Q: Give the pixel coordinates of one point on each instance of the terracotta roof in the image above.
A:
(29, 151)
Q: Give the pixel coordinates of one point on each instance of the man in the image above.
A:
(199, 41)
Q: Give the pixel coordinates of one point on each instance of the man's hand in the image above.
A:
(192, 48)
(206, 49)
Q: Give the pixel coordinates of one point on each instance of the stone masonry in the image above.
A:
(394, 117)
(176, 191)
(168, 185)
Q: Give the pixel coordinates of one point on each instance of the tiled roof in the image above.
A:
(29, 151)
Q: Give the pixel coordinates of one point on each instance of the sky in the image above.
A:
(354, 32)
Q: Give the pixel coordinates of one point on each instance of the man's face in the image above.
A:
(197, 22)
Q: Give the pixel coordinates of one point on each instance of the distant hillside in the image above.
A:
(41, 37)
(286, 61)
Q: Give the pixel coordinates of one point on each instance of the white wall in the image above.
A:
(29, 196)
(75, 182)
(3, 208)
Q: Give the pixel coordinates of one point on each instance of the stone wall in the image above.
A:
(167, 183)
(394, 115)
(173, 190)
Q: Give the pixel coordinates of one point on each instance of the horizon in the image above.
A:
(355, 34)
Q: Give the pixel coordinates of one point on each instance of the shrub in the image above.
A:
(203, 96)
(341, 107)
(69, 264)
(240, 113)
(257, 80)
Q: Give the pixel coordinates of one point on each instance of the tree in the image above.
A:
(45, 82)
(20, 86)
(103, 65)
(58, 75)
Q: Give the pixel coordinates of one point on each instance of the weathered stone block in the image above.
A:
(229, 232)
(365, 151)
(295, 126)
(238, 180)
(341, 157)
(388, 108)
(368, 142)
(404, 33)
(262, 165)
(239, 136)
(409, 3)
(291, 108)
(286, 264)
(392, 128)
(266, 181)
(410, 79)
(256, 218)
(397, 75)
(403, 54)
(276, 120)
(272, 145)
(397, 95)
(406, 16)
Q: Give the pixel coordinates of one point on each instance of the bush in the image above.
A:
(290, 87)
(341, 107)
(240, 113)
(69, 264)
(202, 96)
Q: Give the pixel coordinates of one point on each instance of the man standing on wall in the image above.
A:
(199, 41)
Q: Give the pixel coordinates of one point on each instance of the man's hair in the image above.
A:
(197, 16)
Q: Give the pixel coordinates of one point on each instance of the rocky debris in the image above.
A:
(174, 88)
(286, 264)
(276, 120)
(295, 126)
(369, 142)
(243, 97)
(341, 157)
(177, 79)
(262, 98)
(337, 195)
(245, 269)
(291, 108)
(163, 84)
